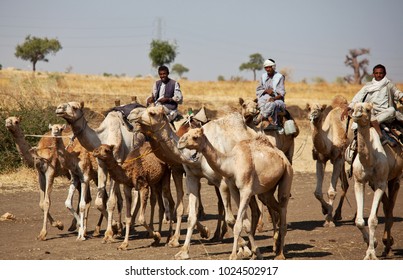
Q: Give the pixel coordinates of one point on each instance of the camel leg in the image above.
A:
(46, 180)
(326, 208)
(102, 196)
(193, 185)
(168, 203)
(153, 203)
(260, 222)
(110, 205)
(221, 227)
(69, 203)
(84, 209)
(359, 219)
(388, 206)
(344, 187)
(177, 177)
(144, 196)
(373, 222)
(128, 198)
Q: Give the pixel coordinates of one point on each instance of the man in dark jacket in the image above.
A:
(166, 92)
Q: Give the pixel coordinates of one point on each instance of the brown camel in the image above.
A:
(245, 169)
(381, 167)
(113, 131)
(144, 172)
(82, 166)
(153, 122)
(329, 143)
(23, 147)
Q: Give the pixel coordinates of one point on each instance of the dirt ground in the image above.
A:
(306, 238)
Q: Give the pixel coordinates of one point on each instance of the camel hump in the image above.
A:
(339, 101)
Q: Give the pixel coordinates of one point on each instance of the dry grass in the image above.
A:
(99, 93)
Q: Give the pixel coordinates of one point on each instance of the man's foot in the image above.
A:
(386, 139)
(271, 126)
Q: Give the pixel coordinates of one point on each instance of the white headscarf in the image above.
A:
(269, 62)
(375, 85)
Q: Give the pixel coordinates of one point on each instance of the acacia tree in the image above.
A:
(162, 52)
(254, 64)
(36, 49)
(359, 67)
(179, 69)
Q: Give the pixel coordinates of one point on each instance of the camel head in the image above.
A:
(248, 108)
(151, 117)
(315, 112)
(193, 139)
(103, 152)
(57, 129)
(12, 123)
(71, 111)
(362, 113)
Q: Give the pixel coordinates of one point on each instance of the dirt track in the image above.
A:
(307, 239)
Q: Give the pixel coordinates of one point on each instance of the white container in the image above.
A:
(289, 127)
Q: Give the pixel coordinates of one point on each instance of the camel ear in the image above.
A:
(82, 104)
(308, 107)
(323, 107)
(64, 127)
(50, 126)
(241, 101)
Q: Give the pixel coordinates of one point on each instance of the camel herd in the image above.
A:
(244, 163)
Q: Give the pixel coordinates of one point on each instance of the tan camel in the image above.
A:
(113, 131)
(285, 143)
(381, 167)
(82, 166)
(329, 143)
(153, 122)
(246, 170)
(23, 147)
(142, 171)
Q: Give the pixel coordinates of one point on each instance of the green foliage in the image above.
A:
(220, 78)
(179, 69)
(36, 49)
(254, 64)
(162, 52)
(35, 120)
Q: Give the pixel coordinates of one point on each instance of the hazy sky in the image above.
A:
(312, 38)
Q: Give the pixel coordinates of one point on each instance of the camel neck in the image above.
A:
(363, 145)
(215, 158)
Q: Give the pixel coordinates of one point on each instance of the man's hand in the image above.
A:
(269, 91)
(150, 100)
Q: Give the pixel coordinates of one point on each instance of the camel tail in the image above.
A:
(284, 185)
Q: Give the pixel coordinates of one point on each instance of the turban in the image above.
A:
(269, 62)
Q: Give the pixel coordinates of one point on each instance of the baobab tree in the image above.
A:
(359, 67)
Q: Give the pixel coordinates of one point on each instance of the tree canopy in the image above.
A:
(179, 69)
(36, 49)
(162, 52)
(359, 67)
(254, 64)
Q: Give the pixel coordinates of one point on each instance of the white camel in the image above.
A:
(221, 133)
(381, 167)
(330, 141)
(253, 167)
(113, 131)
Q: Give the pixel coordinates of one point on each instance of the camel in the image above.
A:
(154, 123)
(285, 143)
(330, 141)
(113, 131)
(23, 147)
(82, 166)
(381, 167)
(141, 170)
(253, 167)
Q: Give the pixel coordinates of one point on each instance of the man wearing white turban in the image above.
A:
(383, 95)
(270, 94)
